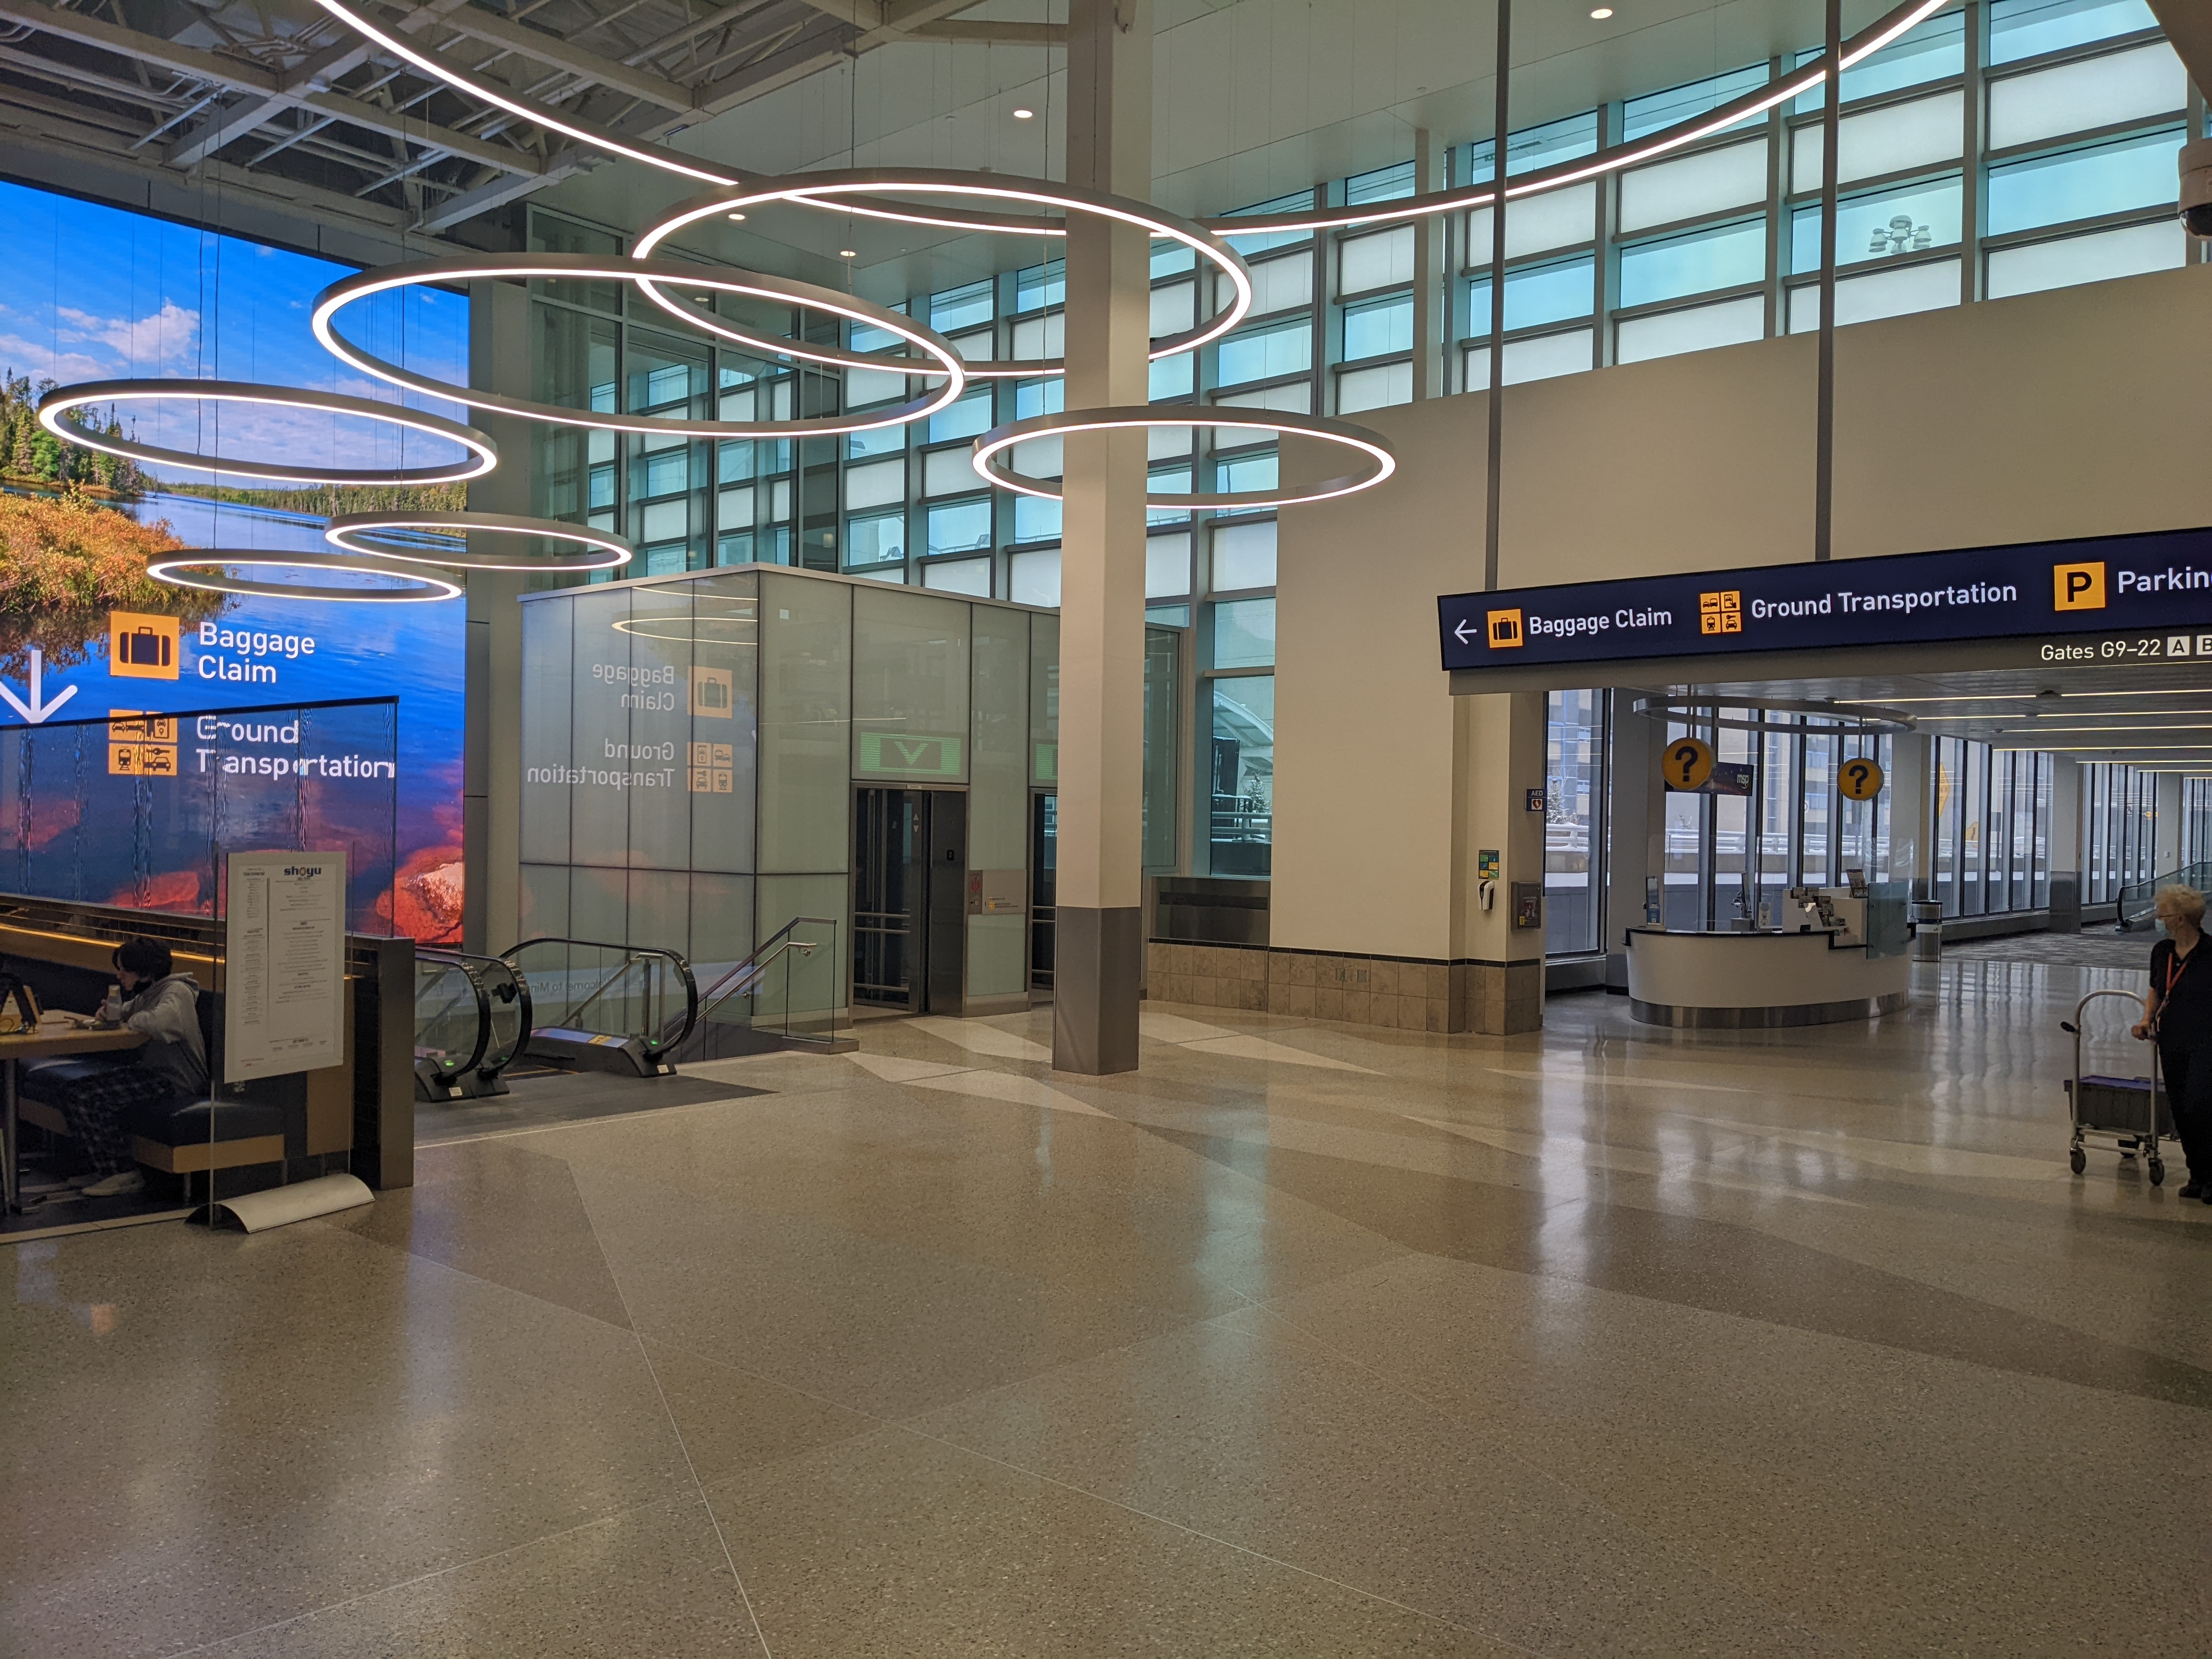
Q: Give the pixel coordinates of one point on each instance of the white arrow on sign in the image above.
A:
(1461, 633)
(37, 708)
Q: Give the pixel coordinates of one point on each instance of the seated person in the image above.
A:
(170, 1067)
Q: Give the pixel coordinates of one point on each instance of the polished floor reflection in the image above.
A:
(1307, 1338)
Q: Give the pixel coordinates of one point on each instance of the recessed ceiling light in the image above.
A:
(737, 218)
(1024, 114)
(848, 253)
(1603, 13)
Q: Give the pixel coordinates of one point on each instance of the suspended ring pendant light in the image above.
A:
(645, 272)
(481, 454)
(178, 569)
(856, 191)
(1376, 463)
(599, 550)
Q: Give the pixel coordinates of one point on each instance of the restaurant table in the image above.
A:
(54, 1039)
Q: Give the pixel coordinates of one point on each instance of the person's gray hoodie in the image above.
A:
(167, 1012)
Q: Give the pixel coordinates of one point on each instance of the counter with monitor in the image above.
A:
(1840, 956)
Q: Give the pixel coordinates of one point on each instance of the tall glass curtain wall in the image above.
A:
(1575, 746)
(1993, 827)
(1729, 856)
(2002, 147)
(2119, 811)
(2197, 820)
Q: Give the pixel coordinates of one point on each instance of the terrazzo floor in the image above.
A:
(1306, 1339)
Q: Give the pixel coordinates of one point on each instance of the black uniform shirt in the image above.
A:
(2185, 1011)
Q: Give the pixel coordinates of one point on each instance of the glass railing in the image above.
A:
(585, 989)
(789, 987)
(2138, 899)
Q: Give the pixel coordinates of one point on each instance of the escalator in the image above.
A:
(2139, 899)
(637, 1010)
(472, 1017)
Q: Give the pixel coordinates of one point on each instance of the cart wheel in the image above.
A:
(2079, 1159)
(2158, 1172)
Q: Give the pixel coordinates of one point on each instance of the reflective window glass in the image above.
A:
(1245, 633)
(959, 307)
(2100, 91)
(960, 527)
(965, 419)
(2110, 178)
(878, 539)
(1657, 111)
(2029, 29)
(1264, 355)
(1243, 767)
(1375, 331)
(2129, 252)
(1697, 264)
(1882, 225)
(1711, 181)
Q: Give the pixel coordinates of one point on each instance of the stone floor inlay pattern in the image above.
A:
(1306, 1339)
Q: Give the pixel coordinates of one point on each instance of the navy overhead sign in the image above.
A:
(2160, 584)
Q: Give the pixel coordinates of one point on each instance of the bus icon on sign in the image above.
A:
(1504, 630)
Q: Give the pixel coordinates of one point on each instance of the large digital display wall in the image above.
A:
(93, 292)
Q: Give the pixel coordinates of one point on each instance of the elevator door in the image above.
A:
(909, 899)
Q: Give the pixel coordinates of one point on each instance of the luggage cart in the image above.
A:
(2132, 1111)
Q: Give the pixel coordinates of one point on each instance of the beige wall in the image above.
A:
(2073, 413)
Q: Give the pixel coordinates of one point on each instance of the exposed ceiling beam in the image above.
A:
(985, 33)
(251, 79)
(517, 38)
(496, 192)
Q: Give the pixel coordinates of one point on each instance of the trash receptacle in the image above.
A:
(1926, 930)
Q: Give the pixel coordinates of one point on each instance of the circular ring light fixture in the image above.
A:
(1880, 33)
(480, 457)
(598, 550)
(646, 273)
(184, 569)
(857, 191)
(1376, 462)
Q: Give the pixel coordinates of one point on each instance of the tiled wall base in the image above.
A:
(1405, 996)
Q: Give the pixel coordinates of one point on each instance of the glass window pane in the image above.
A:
(879, 538)
(2029, 29)
(1242, 821)
(1657, 111)
(1299, 202)
(1899, 137)
(1167, 565)
(1884, 224)
(1697, 264)
(1935, 50)
(910, 675)
(1036, 286)
(1172, 377)
(1712, 181)
(1536, 224)
(1035, 519)
(875, 486)
(967, 418)
(1380, 388)
(1925, 287)
(1170, 257)
(2128, 251)
(1698, 328)
(959, 527)
(1282, 284)
(1245, 633)
(960, 576)
(1380, 259)
(1244, 555)
(958, 307)
(2138, 172)
(1573, 788)
(1547, 293)
(1034, 577)
(1378, 330)
(2122, 86)
(1539, 359)
(1265, 354)
(1384, 184)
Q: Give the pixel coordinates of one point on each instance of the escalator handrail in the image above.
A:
(2138, 898)
(483, 1006)
(634, 953)
(525, 1010)
(715, 995)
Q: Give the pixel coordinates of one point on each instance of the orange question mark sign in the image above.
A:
(1860, 780)
(1689, 763)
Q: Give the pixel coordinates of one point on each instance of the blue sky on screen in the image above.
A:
(96, 293)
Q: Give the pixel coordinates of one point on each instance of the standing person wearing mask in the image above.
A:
(2177, 1015)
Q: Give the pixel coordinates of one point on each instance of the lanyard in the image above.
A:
(2176, 966)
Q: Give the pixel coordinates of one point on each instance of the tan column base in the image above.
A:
(1488, 998)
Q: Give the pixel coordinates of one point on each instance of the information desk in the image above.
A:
(1761, 979)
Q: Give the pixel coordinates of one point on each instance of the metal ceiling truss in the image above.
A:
(278, 95)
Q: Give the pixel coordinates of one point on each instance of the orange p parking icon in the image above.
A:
(2077, 586)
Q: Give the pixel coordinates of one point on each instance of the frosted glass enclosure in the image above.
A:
(695, 747)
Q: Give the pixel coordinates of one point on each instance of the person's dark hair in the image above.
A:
(148, 958)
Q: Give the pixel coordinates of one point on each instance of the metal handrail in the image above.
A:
(483, 1008)
(755, 963)
(633, 954)
(2137, 899)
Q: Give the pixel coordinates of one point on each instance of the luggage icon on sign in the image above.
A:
(141, 646)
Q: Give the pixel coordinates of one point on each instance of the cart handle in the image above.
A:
(2074, 1026)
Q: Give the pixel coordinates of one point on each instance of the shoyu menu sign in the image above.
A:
(2160, 584)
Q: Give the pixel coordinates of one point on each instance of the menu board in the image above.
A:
(284, 977)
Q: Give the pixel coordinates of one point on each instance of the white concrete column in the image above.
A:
(2169, 822)
(1098, 949)
(491, 765)
(2064, 839)
(1912, 814)
(1498, 766)
(1635, 825)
